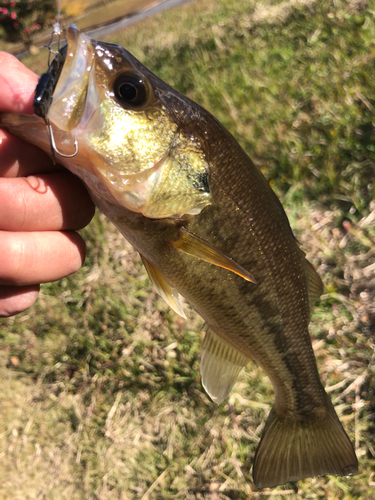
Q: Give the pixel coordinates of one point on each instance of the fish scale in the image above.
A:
(208, 227)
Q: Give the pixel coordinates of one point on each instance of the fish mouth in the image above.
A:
(70, 91)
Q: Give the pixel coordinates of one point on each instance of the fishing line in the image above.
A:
(55, 31)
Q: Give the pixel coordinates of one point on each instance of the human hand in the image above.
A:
(41, 205)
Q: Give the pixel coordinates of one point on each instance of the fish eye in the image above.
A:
(131, 89)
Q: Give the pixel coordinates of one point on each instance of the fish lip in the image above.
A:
(70, 91)
(58, 62)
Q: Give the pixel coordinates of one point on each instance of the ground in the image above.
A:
(101, 389)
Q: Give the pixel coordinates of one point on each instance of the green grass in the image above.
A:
(101, 392)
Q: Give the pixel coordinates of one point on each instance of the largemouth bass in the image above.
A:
(208, 227)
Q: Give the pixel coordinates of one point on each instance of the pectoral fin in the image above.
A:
(221, 365)
(195, 246)
(168, 293)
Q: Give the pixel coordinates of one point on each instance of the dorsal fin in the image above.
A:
(221, 365)
(195, 246)
(168, 293)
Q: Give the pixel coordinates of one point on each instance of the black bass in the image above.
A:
(208, 226)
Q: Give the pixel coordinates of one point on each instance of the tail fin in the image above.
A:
(293, 449)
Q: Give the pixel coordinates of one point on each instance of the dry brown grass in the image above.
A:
(101, 394)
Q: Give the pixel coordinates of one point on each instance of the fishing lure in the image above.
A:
(46, 87)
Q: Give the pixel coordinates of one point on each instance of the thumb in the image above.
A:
(17, 85)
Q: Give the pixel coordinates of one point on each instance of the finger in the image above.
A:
(48, 202)
(39, 257)
(15, 299)
(17, 85)
(19, 159)
(17, 88)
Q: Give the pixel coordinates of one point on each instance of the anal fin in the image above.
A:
(314, 284)
(221, 365)
(195, 246)
(168, 293)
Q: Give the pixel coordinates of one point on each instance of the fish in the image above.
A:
(208, 228)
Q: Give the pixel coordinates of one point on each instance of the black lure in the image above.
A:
(47, 84)
(44, 95)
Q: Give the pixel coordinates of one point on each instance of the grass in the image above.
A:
(101, 392)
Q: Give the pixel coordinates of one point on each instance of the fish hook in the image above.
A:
(46, 86)
(53, 144)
